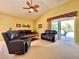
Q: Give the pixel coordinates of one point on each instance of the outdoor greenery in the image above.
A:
(67, 28)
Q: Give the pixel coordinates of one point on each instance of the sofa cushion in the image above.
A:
(53, 31)
(47, 31)
(24, 32)
(12, 35)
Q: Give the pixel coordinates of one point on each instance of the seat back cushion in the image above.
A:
(12, 35)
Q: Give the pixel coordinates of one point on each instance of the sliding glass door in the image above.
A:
(65, 29)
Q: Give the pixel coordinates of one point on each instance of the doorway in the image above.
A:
(65, 28)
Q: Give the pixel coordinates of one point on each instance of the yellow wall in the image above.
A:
(7, 22)
(72, 5)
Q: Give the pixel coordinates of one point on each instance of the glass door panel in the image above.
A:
(64, 28)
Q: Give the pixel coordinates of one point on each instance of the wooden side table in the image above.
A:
(31, 36)
(35, 37)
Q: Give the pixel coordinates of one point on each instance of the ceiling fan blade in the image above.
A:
(36, 6)
(35, 9)
(25, 8)
(28, 4)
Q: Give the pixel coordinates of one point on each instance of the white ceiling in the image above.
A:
(14, 7)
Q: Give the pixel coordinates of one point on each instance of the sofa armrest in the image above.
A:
(16, 46)
(43, 34)
(16, 40)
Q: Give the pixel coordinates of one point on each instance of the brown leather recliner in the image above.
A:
(14, 44)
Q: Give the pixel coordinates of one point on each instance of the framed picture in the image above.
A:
(28, 26)
(18, 25)
(39, 25)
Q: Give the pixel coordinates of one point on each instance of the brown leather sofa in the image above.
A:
(49, 35)
(25, 32)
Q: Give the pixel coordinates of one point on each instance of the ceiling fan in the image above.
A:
(31, 7)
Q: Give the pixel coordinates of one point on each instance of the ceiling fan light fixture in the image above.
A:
(31, 10)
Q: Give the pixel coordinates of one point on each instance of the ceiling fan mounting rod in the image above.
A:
(31, 2)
